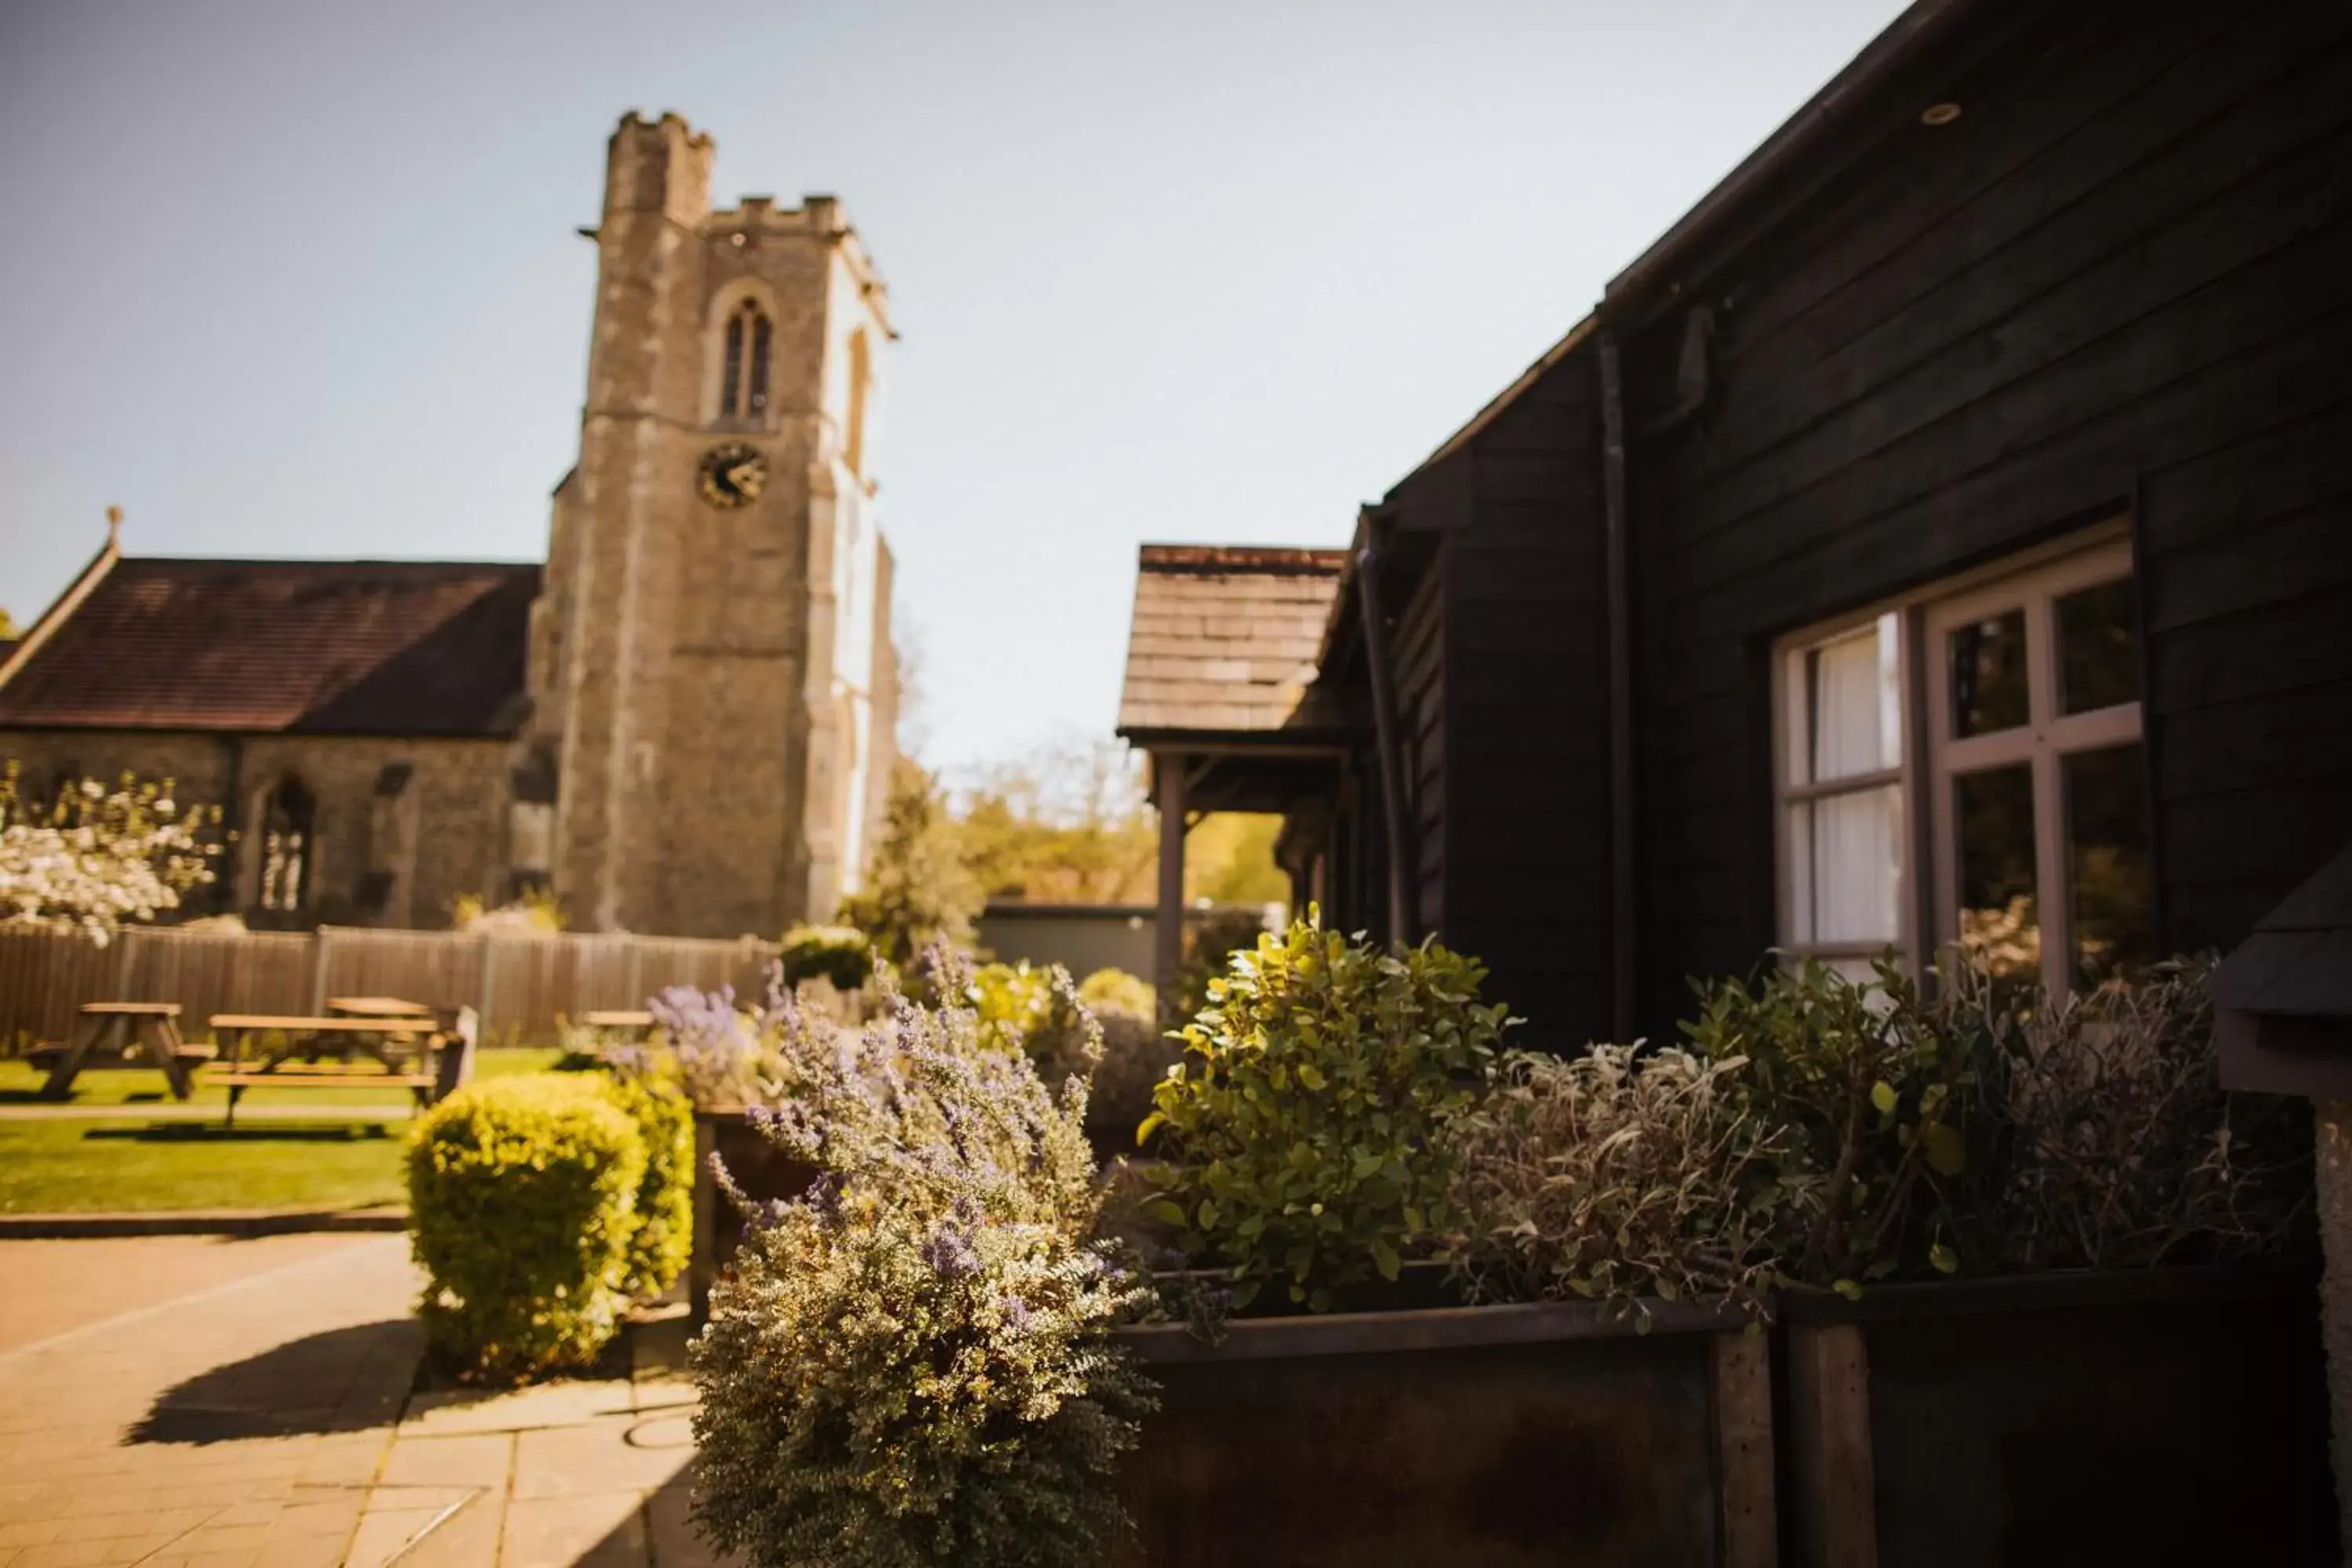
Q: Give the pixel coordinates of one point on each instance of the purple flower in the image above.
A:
(950, 1254)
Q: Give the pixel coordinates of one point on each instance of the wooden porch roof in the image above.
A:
(1224, 643)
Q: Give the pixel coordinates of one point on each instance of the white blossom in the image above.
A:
(97, 860)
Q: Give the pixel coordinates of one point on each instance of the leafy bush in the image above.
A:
(1114, 993)
(1037, 1013)
(1136, 1054)
(841, 955)
(1207, 949)
(522, 1193)
(1300, 1133)
(664, 1204)
(1619, 1175)
(2121, 1148)
(908, 1366)
(1876, 1086)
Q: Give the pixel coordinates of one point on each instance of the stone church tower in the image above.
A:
(712, 682)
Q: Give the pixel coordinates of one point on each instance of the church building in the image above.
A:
(682, 724)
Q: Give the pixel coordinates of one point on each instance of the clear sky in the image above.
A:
(302, 279)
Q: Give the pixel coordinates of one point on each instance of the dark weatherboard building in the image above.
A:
(1944, 532)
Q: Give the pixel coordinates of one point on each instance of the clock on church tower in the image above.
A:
(732, 475)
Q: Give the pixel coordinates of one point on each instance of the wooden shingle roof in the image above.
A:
(1225, 639)
(310, 647)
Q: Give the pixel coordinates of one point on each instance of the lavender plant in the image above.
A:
(908, 1364)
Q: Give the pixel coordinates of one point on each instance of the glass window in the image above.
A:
(2020, 825)
(2000, 918)
(2109, 870)
(2098, 652)
(1989, 690)
(1845, 843)
(759, 400)
(731, 379)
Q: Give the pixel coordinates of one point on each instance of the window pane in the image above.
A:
(2098, 653)
(1854, 691)
(1999, 924)
(2108, 863)
(1846, 854)
(1989, 688)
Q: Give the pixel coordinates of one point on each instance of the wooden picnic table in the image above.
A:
(379, 1007)
(621, 1020)
(107, 1034)
(373, 1037)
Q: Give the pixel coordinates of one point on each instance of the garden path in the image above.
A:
(187, 1402)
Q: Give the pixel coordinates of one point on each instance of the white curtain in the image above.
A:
(1846, 850)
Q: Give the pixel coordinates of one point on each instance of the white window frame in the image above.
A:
(1932, 757)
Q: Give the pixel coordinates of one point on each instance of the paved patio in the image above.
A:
(204, 1403)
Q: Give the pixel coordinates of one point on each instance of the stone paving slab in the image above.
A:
(201, 1403)
(589, 1472)
(187, 1403)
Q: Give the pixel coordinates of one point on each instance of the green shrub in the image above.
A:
(1617, 1177)
(1878, 1087)
(1114, 993)
(1300, 1134)
(522, 1193)
(1036, 1013)
(1207, 949)
(663, 1237)
(843, 955)
(908, 1365)
(1136, 1054)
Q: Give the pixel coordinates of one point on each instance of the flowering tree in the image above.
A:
(97, 859)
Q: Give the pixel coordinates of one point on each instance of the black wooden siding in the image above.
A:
(2121, 282)
(1526, 609)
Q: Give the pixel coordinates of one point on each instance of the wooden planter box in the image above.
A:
(2153, 1417)
(1485, 1437)
(757, 1167)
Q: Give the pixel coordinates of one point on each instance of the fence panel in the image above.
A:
(520, 985)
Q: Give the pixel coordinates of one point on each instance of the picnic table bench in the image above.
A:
(107, 1034)
(413, 1069)
(621, 1021)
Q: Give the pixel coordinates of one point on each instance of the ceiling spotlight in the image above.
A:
(1940, 114)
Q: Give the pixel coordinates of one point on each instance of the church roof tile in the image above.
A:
(303, 646)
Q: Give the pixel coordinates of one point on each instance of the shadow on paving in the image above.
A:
(332, 1381)
(201, 1133)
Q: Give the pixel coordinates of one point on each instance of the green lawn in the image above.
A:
(20, 1084)
(69, 1164)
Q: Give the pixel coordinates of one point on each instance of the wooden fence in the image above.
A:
(520, 985)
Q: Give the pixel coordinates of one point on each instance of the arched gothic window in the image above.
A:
(743, 388)
(287, 835)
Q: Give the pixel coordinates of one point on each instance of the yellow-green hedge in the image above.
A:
(523, 1197)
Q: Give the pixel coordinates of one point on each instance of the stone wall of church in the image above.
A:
(401, 828)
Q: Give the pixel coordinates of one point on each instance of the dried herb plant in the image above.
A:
(2124, 1151)
(1618, 1176)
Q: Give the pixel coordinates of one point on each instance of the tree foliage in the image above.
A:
(918, 889)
